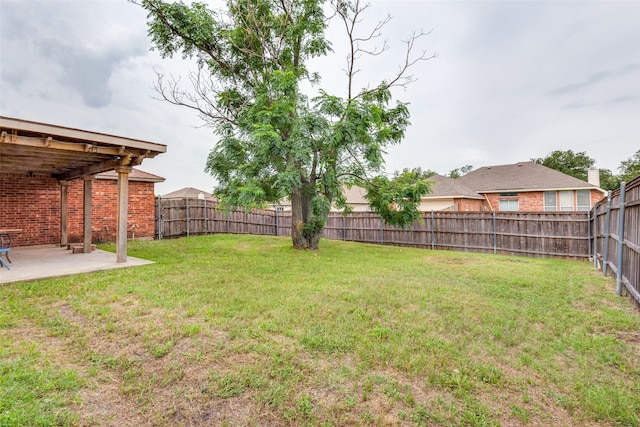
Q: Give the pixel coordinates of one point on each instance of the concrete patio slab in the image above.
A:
(41, 262)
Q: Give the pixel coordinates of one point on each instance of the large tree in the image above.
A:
(568, 162)
(274, 140)
(630, 168)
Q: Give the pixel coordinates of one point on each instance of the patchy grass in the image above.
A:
(243, 330)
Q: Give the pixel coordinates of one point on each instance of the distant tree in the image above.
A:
(568, 162)
(274, 140)
(458, 172)
(630, 168)
(608, 180)
(397, 199)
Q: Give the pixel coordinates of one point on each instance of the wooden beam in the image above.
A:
(49, 142)
(85, 171)
(61, 132)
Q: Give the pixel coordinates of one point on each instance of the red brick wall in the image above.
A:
(33, 205)
(533, 201)
(469, 205)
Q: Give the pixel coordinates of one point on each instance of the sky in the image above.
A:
(512, 80)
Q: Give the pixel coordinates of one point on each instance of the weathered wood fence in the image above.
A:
(540, 234)
(615, 225)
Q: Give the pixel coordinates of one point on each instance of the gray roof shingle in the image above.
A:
(523, 176)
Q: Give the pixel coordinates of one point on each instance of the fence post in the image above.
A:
(381, 231)
(607, 231)
(433, 235)
(187, 217)
(277, 231)
(595, 236)
(159, 216)
(344, 227)
(620, 239)
(589, 234)
(495, 233)
(206, 218)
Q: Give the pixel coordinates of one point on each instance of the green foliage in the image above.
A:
(274, 141)
(630, 168)
(396, 200)
(568, 162)
(458, 172)
(609, 181)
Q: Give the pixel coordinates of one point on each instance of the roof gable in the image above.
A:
(188, 193)
(444, 186)
(523, 176)
(134, 175)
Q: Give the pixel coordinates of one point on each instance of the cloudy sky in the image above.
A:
(512, 80)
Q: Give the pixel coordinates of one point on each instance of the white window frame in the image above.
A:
(565, 196)
(508, 205)
(583, 207)
(548, 207)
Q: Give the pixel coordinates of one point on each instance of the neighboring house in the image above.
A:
(450, 194)
(528, 186)
(525, 186)
(189, 193)
(141, 206)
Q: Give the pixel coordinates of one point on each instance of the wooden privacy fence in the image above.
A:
(541, 234)
(615, 225)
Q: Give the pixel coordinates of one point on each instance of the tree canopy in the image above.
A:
(630, 168)
(568, 162)
(578, 164)
(276, 141)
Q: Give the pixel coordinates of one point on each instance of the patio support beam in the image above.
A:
(64, 212)
(123, 199)
(88, 181)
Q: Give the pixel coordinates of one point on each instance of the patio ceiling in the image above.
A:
(65, 153)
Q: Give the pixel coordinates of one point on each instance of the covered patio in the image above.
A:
(41, 262)
(56, 156)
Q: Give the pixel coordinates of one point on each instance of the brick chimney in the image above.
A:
(593, 176)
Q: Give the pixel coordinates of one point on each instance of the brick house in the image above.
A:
(525, 186)
(49, 176)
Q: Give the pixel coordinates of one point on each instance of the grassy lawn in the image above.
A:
(242, 330)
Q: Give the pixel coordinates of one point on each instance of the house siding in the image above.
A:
(33, 205)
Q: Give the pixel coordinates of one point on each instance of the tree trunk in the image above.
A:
(306, 228)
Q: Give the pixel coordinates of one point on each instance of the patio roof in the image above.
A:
(65, 153)
(32, 148)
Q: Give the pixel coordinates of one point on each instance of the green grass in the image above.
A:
(243, 330)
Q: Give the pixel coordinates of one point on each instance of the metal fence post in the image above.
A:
(589, 234)
(159, 216)
(187, 217)
(433, 235)
(277, 231)
(595, 236)
(607, 231)
(495, 234)
(620, 239)
(206, 218)
(344, 227)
